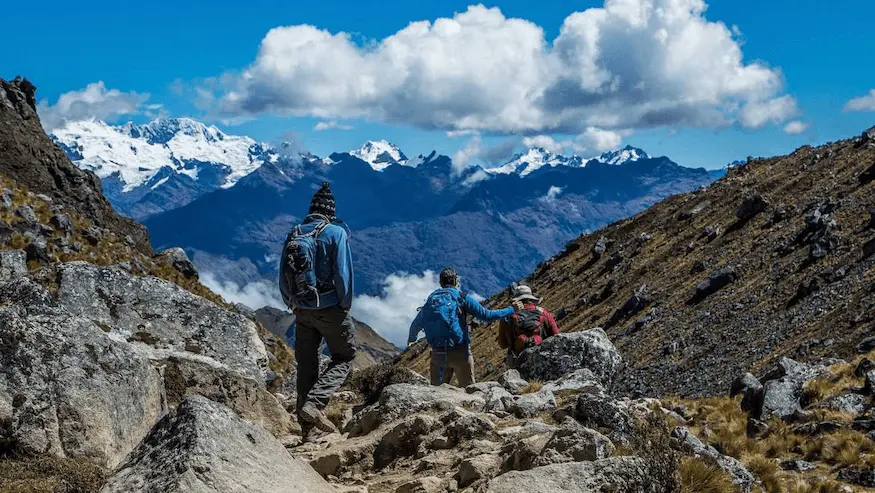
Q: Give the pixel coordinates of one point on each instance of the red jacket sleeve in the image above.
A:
(553, 329)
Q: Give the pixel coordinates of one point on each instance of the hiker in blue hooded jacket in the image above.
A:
(316, 282)
(443, 318)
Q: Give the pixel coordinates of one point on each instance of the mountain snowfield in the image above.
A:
(137, 153)
(170, 162)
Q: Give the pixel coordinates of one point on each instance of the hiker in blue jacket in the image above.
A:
(443, 318)
(316, 282)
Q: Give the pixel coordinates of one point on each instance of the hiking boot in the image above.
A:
(311, 414)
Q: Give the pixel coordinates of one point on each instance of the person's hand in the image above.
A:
(518, 306)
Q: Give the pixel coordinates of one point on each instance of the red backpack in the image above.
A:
(528, 323)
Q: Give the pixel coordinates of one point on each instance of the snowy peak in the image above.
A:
(627, 154)
(380, 154)
(533, 159)
(136, 153)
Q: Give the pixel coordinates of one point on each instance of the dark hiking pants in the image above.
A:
(454, 361)
(335, 325)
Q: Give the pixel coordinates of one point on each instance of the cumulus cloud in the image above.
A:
(476, 151)
(863, 103)
(331, 124)
(255, 295)
(757, 114)
(95, 101)
(598, 140)
(390, 313)
(630, 64)
(553, 192)
(544, 141)
(795, 127)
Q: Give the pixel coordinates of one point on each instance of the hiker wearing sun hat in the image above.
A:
(528, 327)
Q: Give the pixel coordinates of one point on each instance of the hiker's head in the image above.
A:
(323, 202)
(523, 294)
(449, 278)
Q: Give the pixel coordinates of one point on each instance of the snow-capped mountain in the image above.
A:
(380, 154)
(627, 154)
(136, 153)
(536, 158)
(533, 159)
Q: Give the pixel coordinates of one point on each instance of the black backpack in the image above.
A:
(298, 283)
(528, 323)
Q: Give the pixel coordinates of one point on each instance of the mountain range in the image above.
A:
(230, 201)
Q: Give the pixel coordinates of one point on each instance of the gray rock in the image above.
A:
(866, 345)
(752, 393)
(783, 386)
(523, 454)
(205, 447)
(688, 443)
(575, 443)
(402, 440)
(13, 265)
(63, 222)
(512, 381)
(531, 428)
(715, 282)
(620, 474)
(494, 398)
(26, 214)
(429, 484)
(566, 353)
(529, 405)
(178, 259)
(460, 424)
(6, 199)
(162, 319)
(599, 409)
(796, 465)
(869, 385)
(403, 399)
(577, 381)
(481, 387)
(67, 388)
(751, 206)
(484, 466)
(37, 248)
(600, 247)
(855, 404)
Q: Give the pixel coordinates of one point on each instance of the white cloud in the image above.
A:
(544, 141)
(795, 127)
(476, 177)
(331, 124)
(598, 140)
(391, 313)
(95, 101)
(863, 103)
(631, 64)
(476, 150)
(757, 114)
(553, 192)
(254, 295)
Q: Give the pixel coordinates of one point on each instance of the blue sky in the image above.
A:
(819, 51)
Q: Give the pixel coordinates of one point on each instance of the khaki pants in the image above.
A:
(455, 361)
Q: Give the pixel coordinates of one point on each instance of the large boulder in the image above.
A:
(529, 405)
(178, 260)
(69, 389)
(205, 447)
(161, 318)
(689, 444)
(403, 399)
(575, 443)
(619, 474)
(783, 386)
(566, 353)
(512, 381)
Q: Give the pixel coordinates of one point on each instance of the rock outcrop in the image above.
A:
(204, 447)
(31, 159)
(565, 353)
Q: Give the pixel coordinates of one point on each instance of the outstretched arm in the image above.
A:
(476, 310)
(414, 329)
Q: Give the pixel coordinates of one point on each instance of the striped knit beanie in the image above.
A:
(323, 202)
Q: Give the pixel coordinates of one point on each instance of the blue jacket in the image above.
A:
(469, 306)
(333, 263)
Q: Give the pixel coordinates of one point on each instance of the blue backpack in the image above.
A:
(440, 318)
(298, 283)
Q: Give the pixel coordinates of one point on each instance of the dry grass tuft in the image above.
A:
(48, 474)
(532, 387)
(697, 476)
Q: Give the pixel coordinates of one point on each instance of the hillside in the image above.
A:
(775, 259)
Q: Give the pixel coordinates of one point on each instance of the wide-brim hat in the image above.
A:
(524, 293)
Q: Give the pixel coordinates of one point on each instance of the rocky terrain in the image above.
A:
(774, 260)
